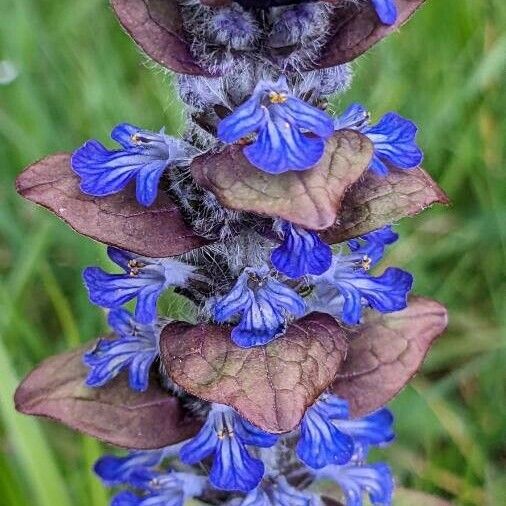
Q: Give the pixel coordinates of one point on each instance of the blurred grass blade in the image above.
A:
(38, 465)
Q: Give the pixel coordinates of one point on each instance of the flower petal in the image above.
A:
(234, 468)
(302, 252)
(246, 119)
(321, 443)
(394, 142)
(281, 147)
(305, 116)
(386, 10)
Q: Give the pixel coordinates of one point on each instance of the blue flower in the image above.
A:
(372, 430)
(126, 498)
(279, 492)
(394, 143)
(321, 443)
(257, 497)
(283, 494)
(281, 123)
(375, 480)
(264, 305)
(225, 435)
(135, 350)
(347, 287)
(118, 470)
(144, 279)
(161, 488)
(386, 10)
(302, 252)
(144, 155)
(373, 244)
(328, 435)
(394, 138)
(355, 117)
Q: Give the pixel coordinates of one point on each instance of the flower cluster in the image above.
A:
(330, 446)
(268, 217)
(341, 285)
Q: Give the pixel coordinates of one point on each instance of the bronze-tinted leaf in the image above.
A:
(114, 413)
(117, 220)
(271, 386)
(156, 26)
(330, 502)
(386, 352)
(375, 201)
(310, 198)
(356, 28)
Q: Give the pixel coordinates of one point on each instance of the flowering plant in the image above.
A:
(267, 219)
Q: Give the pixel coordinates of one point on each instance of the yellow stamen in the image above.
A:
(366, 263)
(277, 98)
(135, 267)
(222, 434)
(305, 291)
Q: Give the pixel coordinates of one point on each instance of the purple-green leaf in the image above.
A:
(156, 26)
(117, 220)
(375, 201)
(271, 386)
(115, 413)
(386, 352)
(311, 198)
(330, 502)
(356, 28)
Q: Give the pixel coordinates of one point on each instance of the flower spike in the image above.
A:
(259, 217)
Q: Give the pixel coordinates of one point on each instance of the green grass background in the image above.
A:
(79, 75)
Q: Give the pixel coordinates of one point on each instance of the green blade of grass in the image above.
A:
(36, 460)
